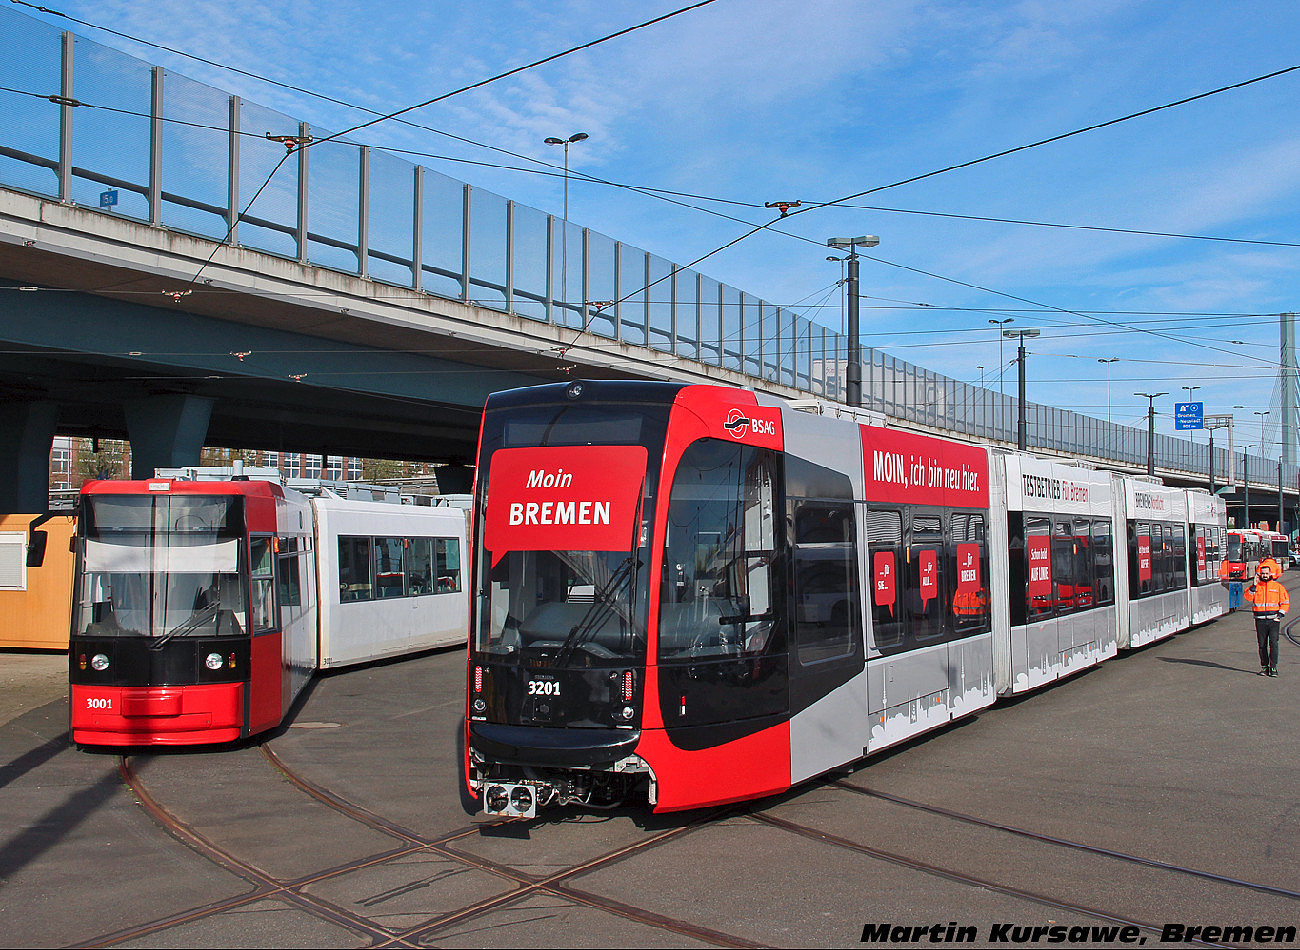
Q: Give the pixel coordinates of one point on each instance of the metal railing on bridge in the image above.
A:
(90, 125)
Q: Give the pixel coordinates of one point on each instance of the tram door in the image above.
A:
(828, 690)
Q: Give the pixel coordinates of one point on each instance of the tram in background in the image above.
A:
(201, 608)
(692, 595)
(1245, 549)
(1276, 546)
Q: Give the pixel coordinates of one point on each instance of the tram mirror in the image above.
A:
(36, 541)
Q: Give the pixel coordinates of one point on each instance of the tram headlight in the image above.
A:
(99, 662)
(213, 661)
(480, 706)
(628, 712)
(574, 391)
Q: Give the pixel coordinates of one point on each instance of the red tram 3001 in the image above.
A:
(694, 595)
(201, 608)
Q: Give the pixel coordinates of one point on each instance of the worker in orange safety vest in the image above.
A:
(1270, 602)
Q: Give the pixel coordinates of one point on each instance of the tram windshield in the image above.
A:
(161, 566)
(563, 569)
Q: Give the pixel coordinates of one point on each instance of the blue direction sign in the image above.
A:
(108, 199)
(1189, 415)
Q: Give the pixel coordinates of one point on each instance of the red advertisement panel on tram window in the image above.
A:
(968, 568)
(882, 571)
(928, 563)
(1144, 557)
(564, 498)
(1039, 548)
(1200, 555)
(920, 470)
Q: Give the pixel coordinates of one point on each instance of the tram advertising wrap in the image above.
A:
(691, 595)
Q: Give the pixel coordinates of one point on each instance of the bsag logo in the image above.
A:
(738, 424)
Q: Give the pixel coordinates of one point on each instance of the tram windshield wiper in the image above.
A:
(199, 617)
(607, 600)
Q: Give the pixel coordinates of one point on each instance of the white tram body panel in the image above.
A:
(1207, 516)
(1064, 616)
(295, 572)
(1154, 523)
(391, 580)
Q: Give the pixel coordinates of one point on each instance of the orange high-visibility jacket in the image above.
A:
(1268, 597)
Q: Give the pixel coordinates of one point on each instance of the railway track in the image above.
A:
(561, 883)
(263, 885)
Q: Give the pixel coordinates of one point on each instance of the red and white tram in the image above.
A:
(201, 608)
(1245, 549)
(696, 595)
(1277, 546)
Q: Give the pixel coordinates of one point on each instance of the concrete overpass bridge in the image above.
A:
(361, 305)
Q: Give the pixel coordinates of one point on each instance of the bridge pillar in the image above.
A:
(456, 479)
(167, 431)
(26, 434)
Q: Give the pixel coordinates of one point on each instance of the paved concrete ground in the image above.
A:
(1177, 753)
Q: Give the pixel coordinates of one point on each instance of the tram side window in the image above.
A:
(970, 567)
(884, 551)
(926, 582)
(1199, 554)
(262, 570)
(717, 596)
(289, 563)
(390, 567)
(354, 569)
(448, 576)
(1140, 556)
(1214, 551)
(374, 568)
(1065, 569)
(1103, 560)
(419, 567)
(1085, 568)
(1017, 568)
(1176, 541)
(825, 572)
(1038, 567)
(1160, 572)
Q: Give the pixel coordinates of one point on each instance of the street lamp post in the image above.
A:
(853, 371)
(1022, 425)
(1113, 359)
(1151, 430)
(1000, 324)
(1245, 480)
(564, 235)
(1261, 413)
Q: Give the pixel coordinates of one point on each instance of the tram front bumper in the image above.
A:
(156, 715)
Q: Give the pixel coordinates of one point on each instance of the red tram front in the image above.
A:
(193, 615)
(670, 589)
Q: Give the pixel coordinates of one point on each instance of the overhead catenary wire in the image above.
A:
(756, 228)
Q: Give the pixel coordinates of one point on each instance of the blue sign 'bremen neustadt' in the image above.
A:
(1189, 415)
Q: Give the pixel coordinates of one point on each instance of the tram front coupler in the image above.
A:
(521, 795)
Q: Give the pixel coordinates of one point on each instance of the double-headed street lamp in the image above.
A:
(1022, 425)
(1113, 359)
(853, 371)
(1151, 430)
(564, 236)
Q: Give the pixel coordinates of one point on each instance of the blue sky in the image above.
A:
(751, 101)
